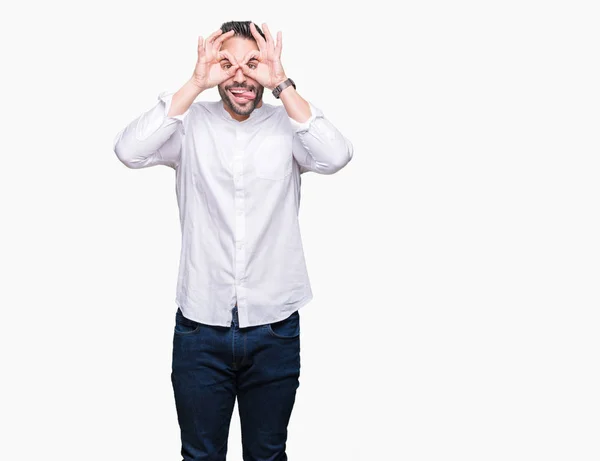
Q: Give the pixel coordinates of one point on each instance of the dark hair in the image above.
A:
(241, 28)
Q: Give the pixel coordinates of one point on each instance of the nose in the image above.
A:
(239, 75)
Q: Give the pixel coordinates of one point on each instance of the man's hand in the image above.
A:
(264, 65)
(213, 66)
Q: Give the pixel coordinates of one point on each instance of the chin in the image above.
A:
(242, 110)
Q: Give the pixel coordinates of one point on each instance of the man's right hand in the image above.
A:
(210, 71)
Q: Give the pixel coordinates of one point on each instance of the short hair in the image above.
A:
(241, 29)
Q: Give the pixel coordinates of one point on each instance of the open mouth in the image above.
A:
(241, 95)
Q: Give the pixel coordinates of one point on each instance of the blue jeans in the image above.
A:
(212, 365)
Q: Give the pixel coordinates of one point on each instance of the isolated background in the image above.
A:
(454, 262)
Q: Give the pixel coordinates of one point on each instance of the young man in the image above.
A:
(242, 275)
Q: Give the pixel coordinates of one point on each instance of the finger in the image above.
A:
(200, 46)
(209, 42)
(250, 55)
(279, 45)
(259, 40)
(219, 41)
(268, 35)
(248, 72)
(214, 35)
(231, 71)
(226, 74)
(246, 63)
(224, 54)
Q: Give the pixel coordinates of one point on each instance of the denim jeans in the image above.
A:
(214, 365)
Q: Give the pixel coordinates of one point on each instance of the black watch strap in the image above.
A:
(283, 85)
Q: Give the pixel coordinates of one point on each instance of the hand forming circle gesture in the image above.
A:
(208, 71)
(267, 70)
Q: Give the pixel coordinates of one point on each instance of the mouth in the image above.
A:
(242, 95)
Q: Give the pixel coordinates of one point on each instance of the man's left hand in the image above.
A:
(264, 64)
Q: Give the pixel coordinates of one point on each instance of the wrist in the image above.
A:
(196, 86)
(282, 87)
(278, 82)
(286, 91)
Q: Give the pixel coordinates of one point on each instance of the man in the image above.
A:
(242, 275)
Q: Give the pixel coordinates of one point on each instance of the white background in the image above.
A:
(454, 262)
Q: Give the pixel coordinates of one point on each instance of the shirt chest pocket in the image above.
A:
(273, 158)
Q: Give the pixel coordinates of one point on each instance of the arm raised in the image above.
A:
(155, 137)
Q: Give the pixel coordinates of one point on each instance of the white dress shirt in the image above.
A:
(238, 192)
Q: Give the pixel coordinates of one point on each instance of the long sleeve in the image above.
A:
(153, 138)
(318, 145)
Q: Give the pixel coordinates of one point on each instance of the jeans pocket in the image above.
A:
(185, 326)
(288, 328)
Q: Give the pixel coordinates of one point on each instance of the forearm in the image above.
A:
(295, 105)
(184, 97)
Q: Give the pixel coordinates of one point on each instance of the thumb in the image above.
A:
(249, 72)
(231, 71)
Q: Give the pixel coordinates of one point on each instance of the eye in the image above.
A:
(252, 65)
(226, 66)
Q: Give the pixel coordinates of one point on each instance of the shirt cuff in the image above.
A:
(314, 113)
(167, 97)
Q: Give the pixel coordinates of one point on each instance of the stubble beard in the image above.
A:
(247, 108)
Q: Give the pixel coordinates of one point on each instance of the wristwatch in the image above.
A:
(283, 85)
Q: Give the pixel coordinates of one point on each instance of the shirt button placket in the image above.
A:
(240, 233)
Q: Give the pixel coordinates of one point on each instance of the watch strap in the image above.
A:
(282, 86)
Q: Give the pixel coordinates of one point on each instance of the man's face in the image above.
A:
(242, 104)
